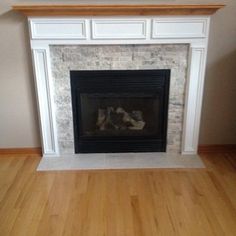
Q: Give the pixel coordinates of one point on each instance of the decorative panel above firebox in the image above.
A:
(120, 110)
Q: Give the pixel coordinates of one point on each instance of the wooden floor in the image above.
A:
(118, 203)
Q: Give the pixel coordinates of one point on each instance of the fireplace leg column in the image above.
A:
(45, 101)
(193, 103)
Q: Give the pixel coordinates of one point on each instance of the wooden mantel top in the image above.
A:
(109, 10)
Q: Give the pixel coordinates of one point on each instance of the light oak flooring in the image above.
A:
(118, 203)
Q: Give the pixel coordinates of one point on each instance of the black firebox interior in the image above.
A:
(120, 110)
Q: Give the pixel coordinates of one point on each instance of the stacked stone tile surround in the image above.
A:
(115, 57)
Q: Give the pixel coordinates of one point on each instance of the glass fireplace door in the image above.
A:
(119, 114)
(120, 110)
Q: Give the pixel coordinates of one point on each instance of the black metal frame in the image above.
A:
(122, 82)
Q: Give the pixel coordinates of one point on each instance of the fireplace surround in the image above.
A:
(118, 57)
(176, 25)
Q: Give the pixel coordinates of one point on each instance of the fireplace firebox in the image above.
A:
(120, 110)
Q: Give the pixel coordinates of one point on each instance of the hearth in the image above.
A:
(120, 110)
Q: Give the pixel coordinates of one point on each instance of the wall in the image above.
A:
(218, 123)
(18, 112)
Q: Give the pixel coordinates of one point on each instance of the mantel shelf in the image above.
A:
(112, 10)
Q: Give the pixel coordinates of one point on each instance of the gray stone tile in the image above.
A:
(114, 57)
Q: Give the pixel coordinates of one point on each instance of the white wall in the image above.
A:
(18, 113)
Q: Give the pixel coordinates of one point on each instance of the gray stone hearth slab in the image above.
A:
(120, 161)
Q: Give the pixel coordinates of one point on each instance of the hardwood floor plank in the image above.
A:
(118, 203)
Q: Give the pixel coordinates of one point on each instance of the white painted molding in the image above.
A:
(45, 102)
(179, 28)
(120, 30)
(58, 28)
(193, 99)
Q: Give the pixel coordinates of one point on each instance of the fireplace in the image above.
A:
(131, 38)
(120, 110)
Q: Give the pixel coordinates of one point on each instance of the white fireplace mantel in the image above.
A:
(98, 30)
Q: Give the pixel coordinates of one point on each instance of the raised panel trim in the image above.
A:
(45, 102)
(107, 29)
(58, 29)
(179, 28)
(193, 99)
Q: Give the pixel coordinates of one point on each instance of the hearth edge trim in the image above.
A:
(195, 76)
